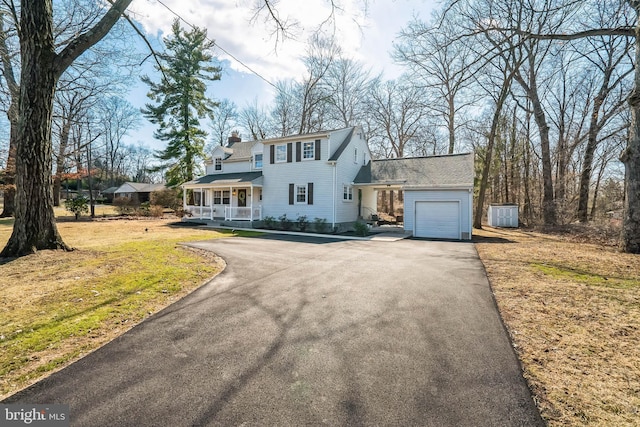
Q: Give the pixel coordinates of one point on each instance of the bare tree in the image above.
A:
(116, 118)
(255, 120)
(443, 64)
(399, 111)
(224, 119)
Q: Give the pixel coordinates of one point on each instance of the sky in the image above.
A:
(365, 31)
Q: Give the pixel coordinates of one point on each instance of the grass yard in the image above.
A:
(57, 306)
(573, 311)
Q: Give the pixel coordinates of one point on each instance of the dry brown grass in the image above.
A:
(57, 306)
(573, 312)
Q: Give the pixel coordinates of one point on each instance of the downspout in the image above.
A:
(333, 221)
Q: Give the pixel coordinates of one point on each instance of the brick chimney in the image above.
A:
(233, 138)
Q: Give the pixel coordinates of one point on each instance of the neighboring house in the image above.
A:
(330, 175)
(109, 194)
(137, 190)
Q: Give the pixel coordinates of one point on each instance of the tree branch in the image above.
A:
(84, 41)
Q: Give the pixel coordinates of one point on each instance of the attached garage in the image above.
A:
(438, 192)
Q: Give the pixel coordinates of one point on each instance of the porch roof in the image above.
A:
(226, 180)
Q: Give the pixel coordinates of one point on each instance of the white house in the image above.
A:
(331, 175)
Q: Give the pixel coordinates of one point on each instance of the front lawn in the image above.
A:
(572, 309)
(57, 306)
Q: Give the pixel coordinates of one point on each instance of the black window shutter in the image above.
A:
(289, 152)
(272, 153)
(317, 145)
(310, 195)
(291, 190)
(298, 151)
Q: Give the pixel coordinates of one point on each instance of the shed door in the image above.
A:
(506, 217)
(437, 219)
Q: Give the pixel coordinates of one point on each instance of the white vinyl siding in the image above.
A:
(278, 176)
(348, 167)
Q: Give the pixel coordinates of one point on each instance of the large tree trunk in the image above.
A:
(35, 226)
(631, 158)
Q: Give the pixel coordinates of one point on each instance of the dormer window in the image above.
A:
(257, 161)
(217, 162)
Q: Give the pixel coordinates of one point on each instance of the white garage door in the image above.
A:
(437, 219)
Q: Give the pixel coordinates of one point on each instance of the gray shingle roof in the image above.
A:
(141, 187)
(229, 178)
(342, 146)
(436, 171)
(241, 150)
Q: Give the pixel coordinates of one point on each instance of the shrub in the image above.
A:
(320, 225)
(125, 205)
(302, 223)
(360, 229)
(143, 209)
(169, 198)
(285, 223)
(269, 222)
(77, 205)
(156, 211)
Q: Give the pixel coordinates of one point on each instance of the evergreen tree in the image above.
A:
(181, 101)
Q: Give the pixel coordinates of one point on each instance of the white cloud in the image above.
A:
(252, 40)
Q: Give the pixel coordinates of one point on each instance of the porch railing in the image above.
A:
(201, 212)
(242, 213)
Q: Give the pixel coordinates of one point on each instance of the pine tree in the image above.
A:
(181, 102)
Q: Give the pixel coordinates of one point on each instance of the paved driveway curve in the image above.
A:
(311, 331)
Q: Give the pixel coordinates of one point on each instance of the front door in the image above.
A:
(242, 198)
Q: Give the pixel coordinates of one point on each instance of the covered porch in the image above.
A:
(368, 196)
(229, 197)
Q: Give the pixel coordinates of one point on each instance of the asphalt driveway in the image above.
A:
(306, 331)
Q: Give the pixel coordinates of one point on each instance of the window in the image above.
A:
(218, 163)
(217, 197)
(347, 193)
(257, 161)
(260, 195)
(364, 159)
(225, 197)
(355, 155)
(308, 150)
(281, 153)
(301, 194)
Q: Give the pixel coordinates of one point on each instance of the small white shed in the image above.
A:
(503, 215)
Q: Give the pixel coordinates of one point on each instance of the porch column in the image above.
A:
(201, 201)
(251, 203)
(210, 191)
(184, 199)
